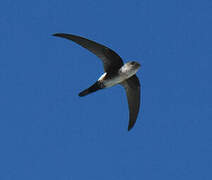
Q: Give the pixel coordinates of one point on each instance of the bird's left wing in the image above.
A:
(111, 60)
(132, 88)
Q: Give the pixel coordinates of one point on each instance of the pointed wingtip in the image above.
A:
(60, 34)
(56, 34)
(130, 126)
(80, 94)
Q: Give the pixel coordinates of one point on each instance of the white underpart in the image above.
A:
(113, 81)
(125, 72)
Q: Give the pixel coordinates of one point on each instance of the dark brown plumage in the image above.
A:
(112, 62)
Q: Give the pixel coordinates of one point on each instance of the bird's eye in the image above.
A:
(133, 63)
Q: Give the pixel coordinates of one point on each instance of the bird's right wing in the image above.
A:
(132, 88)
(111, 60)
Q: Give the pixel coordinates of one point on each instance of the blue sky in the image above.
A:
(48, 132)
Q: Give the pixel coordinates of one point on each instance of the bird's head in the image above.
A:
(134, 65)
(130, 68)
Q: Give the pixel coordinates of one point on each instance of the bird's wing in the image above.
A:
(111, 60)
(132, 87)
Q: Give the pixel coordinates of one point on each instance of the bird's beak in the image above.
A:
(138, 65)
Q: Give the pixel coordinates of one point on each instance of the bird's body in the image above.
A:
(116, 72)
(126, 71)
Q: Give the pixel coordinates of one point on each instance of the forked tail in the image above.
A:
(91, 89)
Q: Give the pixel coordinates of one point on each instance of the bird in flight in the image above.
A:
(116, 72)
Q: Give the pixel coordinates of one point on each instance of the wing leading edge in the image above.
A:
(111, 60)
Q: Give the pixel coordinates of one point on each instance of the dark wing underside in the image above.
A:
(132, 87)
(111, 60)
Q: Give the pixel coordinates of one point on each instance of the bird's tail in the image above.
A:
(91, 89)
